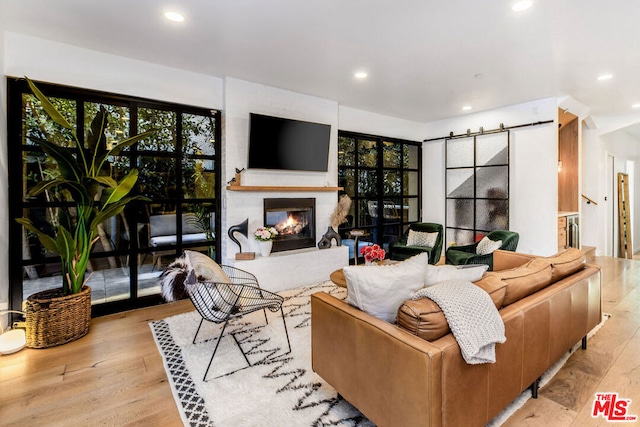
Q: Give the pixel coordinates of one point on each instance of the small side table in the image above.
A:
(356, 251)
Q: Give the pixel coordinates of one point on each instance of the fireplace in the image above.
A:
(295, 221)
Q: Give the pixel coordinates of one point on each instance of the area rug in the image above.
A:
(278, 389)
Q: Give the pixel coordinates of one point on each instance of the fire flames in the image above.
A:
(290, 226)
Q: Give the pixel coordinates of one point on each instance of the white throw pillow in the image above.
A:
(206, 269)
(486, 246)
(380, 290)
(420, 238)
(442, 273)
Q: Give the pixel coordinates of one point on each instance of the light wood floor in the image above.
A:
(114, 376)
(610, 363)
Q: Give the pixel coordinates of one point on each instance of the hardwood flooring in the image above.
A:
(610, 363)
(114, 376)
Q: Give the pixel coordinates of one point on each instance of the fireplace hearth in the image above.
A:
(295, 221)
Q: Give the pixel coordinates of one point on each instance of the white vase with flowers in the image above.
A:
(265, 236)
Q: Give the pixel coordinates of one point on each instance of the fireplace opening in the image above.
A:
(295, 221)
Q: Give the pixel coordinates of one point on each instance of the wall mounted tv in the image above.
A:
(278, 143)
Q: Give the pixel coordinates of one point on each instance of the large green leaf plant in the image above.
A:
(85, 179)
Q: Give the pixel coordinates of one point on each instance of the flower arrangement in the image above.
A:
(372, 253)
(265, 234)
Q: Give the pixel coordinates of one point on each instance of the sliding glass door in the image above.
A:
(177, 168)
(382, 177)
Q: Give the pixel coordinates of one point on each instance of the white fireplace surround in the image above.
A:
(290, 269)
(286, 269)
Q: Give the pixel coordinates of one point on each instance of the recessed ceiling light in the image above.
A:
(605, 77)
(174, 16)
(360, 75)
(522, 5)
(466, 108)
(636, 105)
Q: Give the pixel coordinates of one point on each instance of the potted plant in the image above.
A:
(85, 180)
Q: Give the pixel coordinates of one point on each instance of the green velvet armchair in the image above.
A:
(399, 250)
(462, 255)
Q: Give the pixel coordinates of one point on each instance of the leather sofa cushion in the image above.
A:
(525, 280)
(423, 317)
(566, 263)
(496, 288)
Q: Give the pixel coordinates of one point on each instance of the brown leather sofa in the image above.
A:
(396, 378)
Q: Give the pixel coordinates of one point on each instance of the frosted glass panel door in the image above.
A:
(492, 149)
(477, 180)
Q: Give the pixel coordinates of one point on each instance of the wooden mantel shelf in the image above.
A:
(279, 188)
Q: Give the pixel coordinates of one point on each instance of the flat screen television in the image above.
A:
(279, 143)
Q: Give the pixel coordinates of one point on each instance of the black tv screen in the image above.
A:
(278, 143)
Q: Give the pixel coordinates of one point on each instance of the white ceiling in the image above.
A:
(422, 56)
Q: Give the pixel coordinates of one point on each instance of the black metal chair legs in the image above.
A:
(219, 338)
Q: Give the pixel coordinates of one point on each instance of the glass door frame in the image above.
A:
(16, 88)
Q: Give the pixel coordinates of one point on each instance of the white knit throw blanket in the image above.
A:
(472, 317)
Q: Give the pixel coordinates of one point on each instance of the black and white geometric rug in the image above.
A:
(277, 390)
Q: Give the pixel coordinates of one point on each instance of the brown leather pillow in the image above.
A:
(496, 288)
(524, 280)
(423, 318)
(566, 263)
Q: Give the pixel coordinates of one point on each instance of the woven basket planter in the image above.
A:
(53, 319)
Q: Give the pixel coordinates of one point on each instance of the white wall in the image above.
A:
(242, 98)
(366, 122)
(625, 148)
(594, 186)
(533, 184)
(634, 191)
(4, 207)
(64, 64)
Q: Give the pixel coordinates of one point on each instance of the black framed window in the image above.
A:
(477, 186)
(383, 178)
(177, 172)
